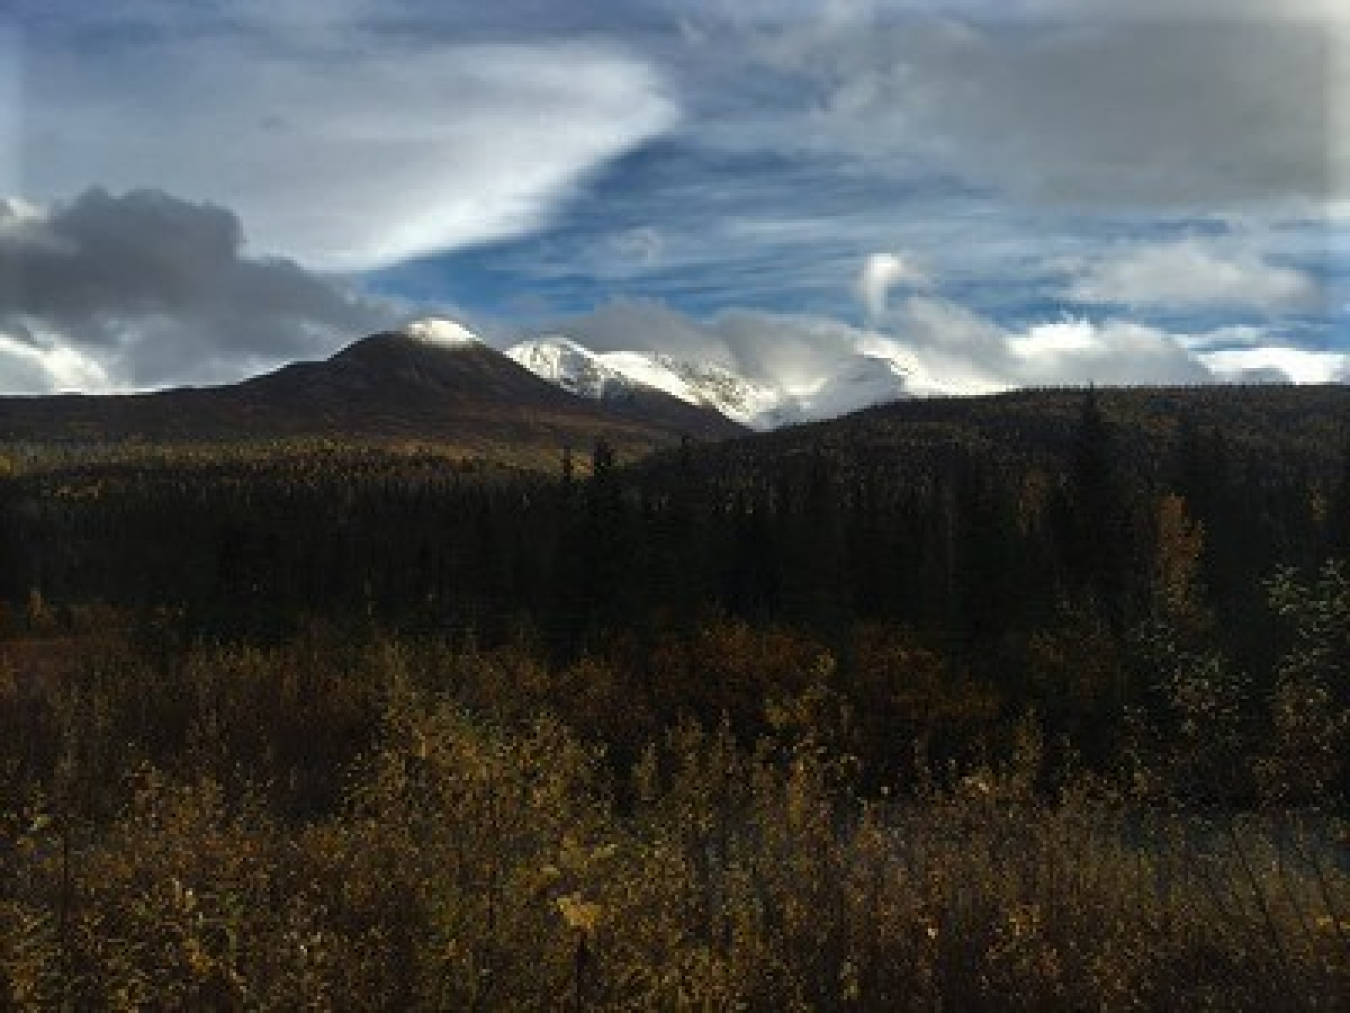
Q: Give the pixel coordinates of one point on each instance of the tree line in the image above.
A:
(1040, 583)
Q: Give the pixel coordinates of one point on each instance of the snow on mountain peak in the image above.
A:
(440, 331)
(562, 361)
(860, 381)
(611, 374)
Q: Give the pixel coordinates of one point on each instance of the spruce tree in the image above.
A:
(1097, 552)
(1338, 514)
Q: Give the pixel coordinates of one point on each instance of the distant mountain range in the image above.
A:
(611, 376)
(860, 381)
(433, 381)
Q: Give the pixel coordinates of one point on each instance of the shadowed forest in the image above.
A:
(1038, 702)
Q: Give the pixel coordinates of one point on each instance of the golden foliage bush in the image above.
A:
(485, 857)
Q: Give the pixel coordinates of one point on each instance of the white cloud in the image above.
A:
(962, 348)
(963, 351)
(1190, 273)
(944, 347)
(339, 153)
(144, 289)
(940, 346)
(859, 382)
(796, 350)
(1296, 364)
(881, 272)
(1110, 352)
(957, 350)
(645, 325)
(27, 367)
(1237, 336)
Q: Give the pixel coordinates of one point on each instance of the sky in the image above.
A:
(997, 193)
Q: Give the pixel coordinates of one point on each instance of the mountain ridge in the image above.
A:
(604, 376)
(429, 381)
(858, 381)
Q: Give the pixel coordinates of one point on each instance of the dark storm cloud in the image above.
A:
(156, 289)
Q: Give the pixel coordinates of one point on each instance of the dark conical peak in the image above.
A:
(429, 380)
(424, 349)
(429, 335)
(440, 332)
(434, 357)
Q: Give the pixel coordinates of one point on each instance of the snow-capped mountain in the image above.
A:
(860, 381)
(752, 403)
(607, 375)
(571, 366)
(430, 380)
(442, 332)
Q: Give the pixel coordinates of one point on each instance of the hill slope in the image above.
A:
(416, 385)
(1268, 426)
(615, 376)
(854, 382)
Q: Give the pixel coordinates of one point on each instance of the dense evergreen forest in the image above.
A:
(1035, 568)
(1037, 701)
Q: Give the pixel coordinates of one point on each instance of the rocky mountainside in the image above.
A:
(431, 381)
(860, 381)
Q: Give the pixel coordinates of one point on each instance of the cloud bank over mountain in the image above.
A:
(1051, 191)
(944, 347)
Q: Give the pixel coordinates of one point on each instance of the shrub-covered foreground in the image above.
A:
(373, 830)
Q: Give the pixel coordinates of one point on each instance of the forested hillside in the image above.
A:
(1041, 696)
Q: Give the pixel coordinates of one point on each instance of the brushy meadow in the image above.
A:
(904, 712)
(415, 825)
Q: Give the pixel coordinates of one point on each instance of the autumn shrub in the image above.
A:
(1310, 704)
(472, 845)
